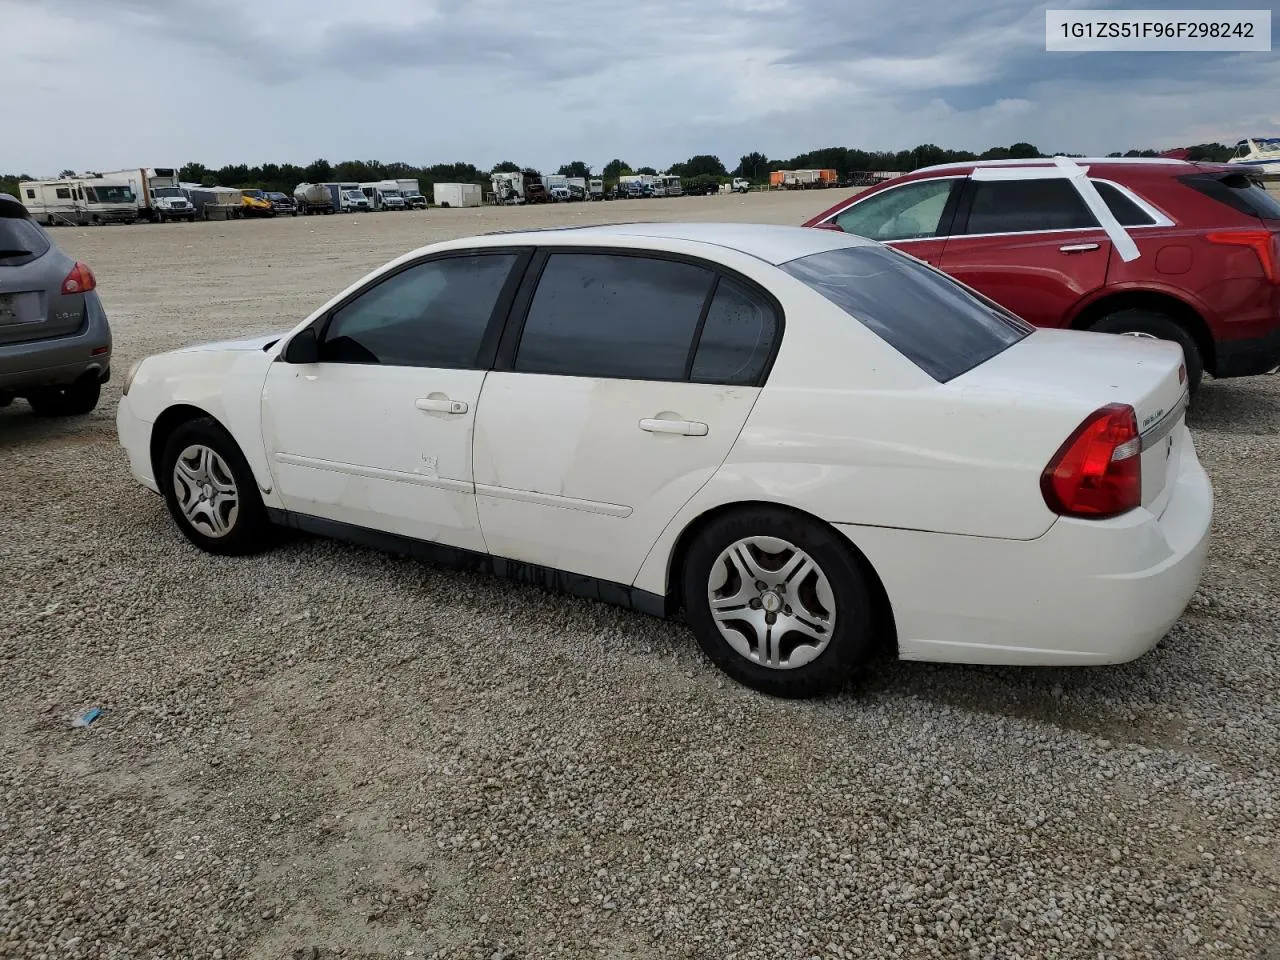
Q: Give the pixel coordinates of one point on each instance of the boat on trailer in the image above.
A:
(1261, 155)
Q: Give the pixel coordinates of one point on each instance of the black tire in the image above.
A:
(73, 400)
(249, 528)
(850, 640)
(1152, 323)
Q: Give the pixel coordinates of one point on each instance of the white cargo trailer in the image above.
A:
(457, 194)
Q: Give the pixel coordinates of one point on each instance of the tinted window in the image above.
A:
(606, 315)
(21, 241)
(1237, 192)
(63, 193)
(432, 315)
(31, 194)
(1128, 213)
(913, 210)
(737, 337)
(922, 313)
(1026, 206)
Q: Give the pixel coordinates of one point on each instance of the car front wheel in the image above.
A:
(778, 601)
(211, 492)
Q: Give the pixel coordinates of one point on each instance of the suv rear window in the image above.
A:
(930, 319)
(21, 241)
(1237, 191)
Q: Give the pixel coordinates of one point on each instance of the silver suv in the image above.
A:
(55, 343)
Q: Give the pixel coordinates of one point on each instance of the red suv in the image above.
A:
(1182, 251)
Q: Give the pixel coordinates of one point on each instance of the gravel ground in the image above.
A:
(327, 752)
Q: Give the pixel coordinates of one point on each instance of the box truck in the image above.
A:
(412, 193)
(159, 195)
(457, 194)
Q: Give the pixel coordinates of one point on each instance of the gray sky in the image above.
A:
(103, 84)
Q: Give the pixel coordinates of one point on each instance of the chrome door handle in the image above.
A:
(433, 405)
(687, 428)
(1078, 247)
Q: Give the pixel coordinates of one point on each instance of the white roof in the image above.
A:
(771, 243)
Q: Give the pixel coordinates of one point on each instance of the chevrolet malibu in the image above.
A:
(807, 442)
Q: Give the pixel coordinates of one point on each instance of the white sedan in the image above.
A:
(808, 442)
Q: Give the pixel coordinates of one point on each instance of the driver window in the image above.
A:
(909, 212)
(431, 315)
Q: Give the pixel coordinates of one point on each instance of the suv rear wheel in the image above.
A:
(1139, 322)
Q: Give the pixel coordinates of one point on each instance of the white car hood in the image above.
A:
(250, 343)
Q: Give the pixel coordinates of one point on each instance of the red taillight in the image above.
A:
(1264, 243)
(79, 280)
(1097, 473)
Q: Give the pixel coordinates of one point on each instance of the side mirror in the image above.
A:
(303, 348)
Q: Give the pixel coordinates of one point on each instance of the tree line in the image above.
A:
(755, 166)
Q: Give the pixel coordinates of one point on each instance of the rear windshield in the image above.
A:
(922, 313)
(1237, 191)
(21, 241)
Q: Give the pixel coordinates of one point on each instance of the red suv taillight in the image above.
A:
(1097, 473)
(79, 280)
(1264, 243)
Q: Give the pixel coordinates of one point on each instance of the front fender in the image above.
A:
(226, 385)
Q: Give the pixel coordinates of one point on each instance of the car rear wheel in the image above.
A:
(73, 400)
(778, 602)
(211, 492)
(1138, 322)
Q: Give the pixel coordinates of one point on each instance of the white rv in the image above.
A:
(79, 201)
(159, 194)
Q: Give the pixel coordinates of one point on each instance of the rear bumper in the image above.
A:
(60, 360)
(1247, 358)
(1086, 592)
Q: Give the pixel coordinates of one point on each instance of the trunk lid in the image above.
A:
(32, 270)
(1086, 371)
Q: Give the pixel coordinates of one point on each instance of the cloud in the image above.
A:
(223, 81)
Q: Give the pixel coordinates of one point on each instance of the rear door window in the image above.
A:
(922, 313)
(612, 315)
(1026, 206)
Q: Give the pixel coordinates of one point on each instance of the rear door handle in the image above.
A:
(1078, 247)
(434, 405)
(687, 428)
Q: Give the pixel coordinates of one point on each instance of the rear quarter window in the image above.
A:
(926, 316)
(1235, 191)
